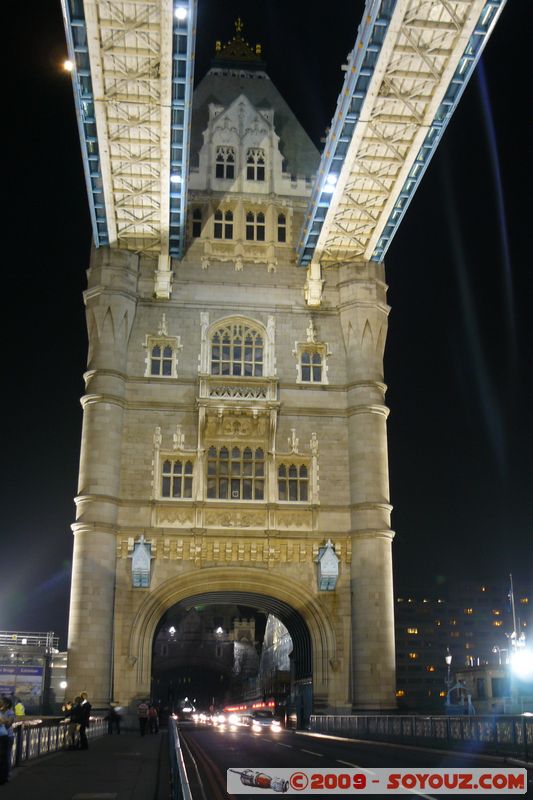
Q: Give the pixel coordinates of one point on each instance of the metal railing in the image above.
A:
(179, 781)
(506, 735)
(39, 737)
(30, 639)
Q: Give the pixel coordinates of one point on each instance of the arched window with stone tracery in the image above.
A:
(237, 348)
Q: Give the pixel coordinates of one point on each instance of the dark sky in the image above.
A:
(459, 357)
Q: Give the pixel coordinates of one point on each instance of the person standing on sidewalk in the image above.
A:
(85, 714)
(7, 718)
(142, 714)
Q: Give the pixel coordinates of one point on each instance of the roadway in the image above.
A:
(215, 751)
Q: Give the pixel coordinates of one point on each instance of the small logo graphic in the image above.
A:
(260, 780)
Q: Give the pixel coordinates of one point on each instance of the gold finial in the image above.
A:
(238, 25)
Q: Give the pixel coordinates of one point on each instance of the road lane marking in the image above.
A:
(284, 745)
(312, 753)
(357, 766)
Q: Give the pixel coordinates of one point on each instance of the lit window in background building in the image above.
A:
(414, 631)
(524, 601)
(400, 693)
(496, 612)
(413, 655)
(455, 634)
(430, 668)
(453, 622)
(469, 610)
(483, 589)
(497, 623)
(442, 694)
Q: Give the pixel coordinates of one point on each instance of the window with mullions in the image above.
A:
(282, 228)
(161, 360)
(235, 474)
(311, 366)
(255, 165)
(223, 224)
(293, 483)
(225, 163)
(255, 226)
(176, 478)
(237, 349)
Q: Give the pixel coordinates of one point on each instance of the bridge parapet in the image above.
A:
(504, 735)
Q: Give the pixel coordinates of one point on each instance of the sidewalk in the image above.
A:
(125, 767)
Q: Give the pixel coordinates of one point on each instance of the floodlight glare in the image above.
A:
(180, 12)
(68, 66)
(522, 664)
(331, 180)
(175, 179)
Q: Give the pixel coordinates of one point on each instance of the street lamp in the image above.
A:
(500, 650)
(448, 659)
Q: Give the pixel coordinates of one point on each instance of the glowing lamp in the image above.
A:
(68, 66)
(522, 664)
(331, 181)
(180, 13)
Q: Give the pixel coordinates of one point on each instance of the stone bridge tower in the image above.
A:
(234, 442)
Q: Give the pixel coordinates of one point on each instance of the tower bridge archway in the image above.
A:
(308, 622)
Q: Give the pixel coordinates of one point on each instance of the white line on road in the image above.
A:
(312, 753)
(284, 745)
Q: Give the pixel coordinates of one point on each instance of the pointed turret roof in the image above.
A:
(238, 69)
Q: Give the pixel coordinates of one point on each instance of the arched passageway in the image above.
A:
(210, 649)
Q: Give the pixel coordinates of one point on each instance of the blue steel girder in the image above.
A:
(110, 204)
(78, 53)
(361, 68)
(183, 41)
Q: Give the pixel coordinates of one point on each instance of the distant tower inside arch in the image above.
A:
(234, 438)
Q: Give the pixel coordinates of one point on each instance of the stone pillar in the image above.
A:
(110, 302)
(363, 313)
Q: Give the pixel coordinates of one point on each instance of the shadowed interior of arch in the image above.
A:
(215, 648)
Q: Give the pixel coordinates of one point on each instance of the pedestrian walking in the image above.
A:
(153, 719)
(142, 714)
(113, 719)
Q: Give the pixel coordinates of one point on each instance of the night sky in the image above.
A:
(459, 355)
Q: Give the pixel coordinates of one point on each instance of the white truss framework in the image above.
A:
(423, 47)
(130, 50)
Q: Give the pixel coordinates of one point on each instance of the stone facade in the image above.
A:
(232, 427)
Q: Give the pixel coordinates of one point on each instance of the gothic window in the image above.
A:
(235, 473)
(293, 482)
(225, 163)
(197, 223)
(237, 349)
(255, 226)
(176, 478)
(255, 164)
(282, 228)
(223, 224)
(311, 366)
(161, 359)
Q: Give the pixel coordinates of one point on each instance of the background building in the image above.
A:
(471, 621)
